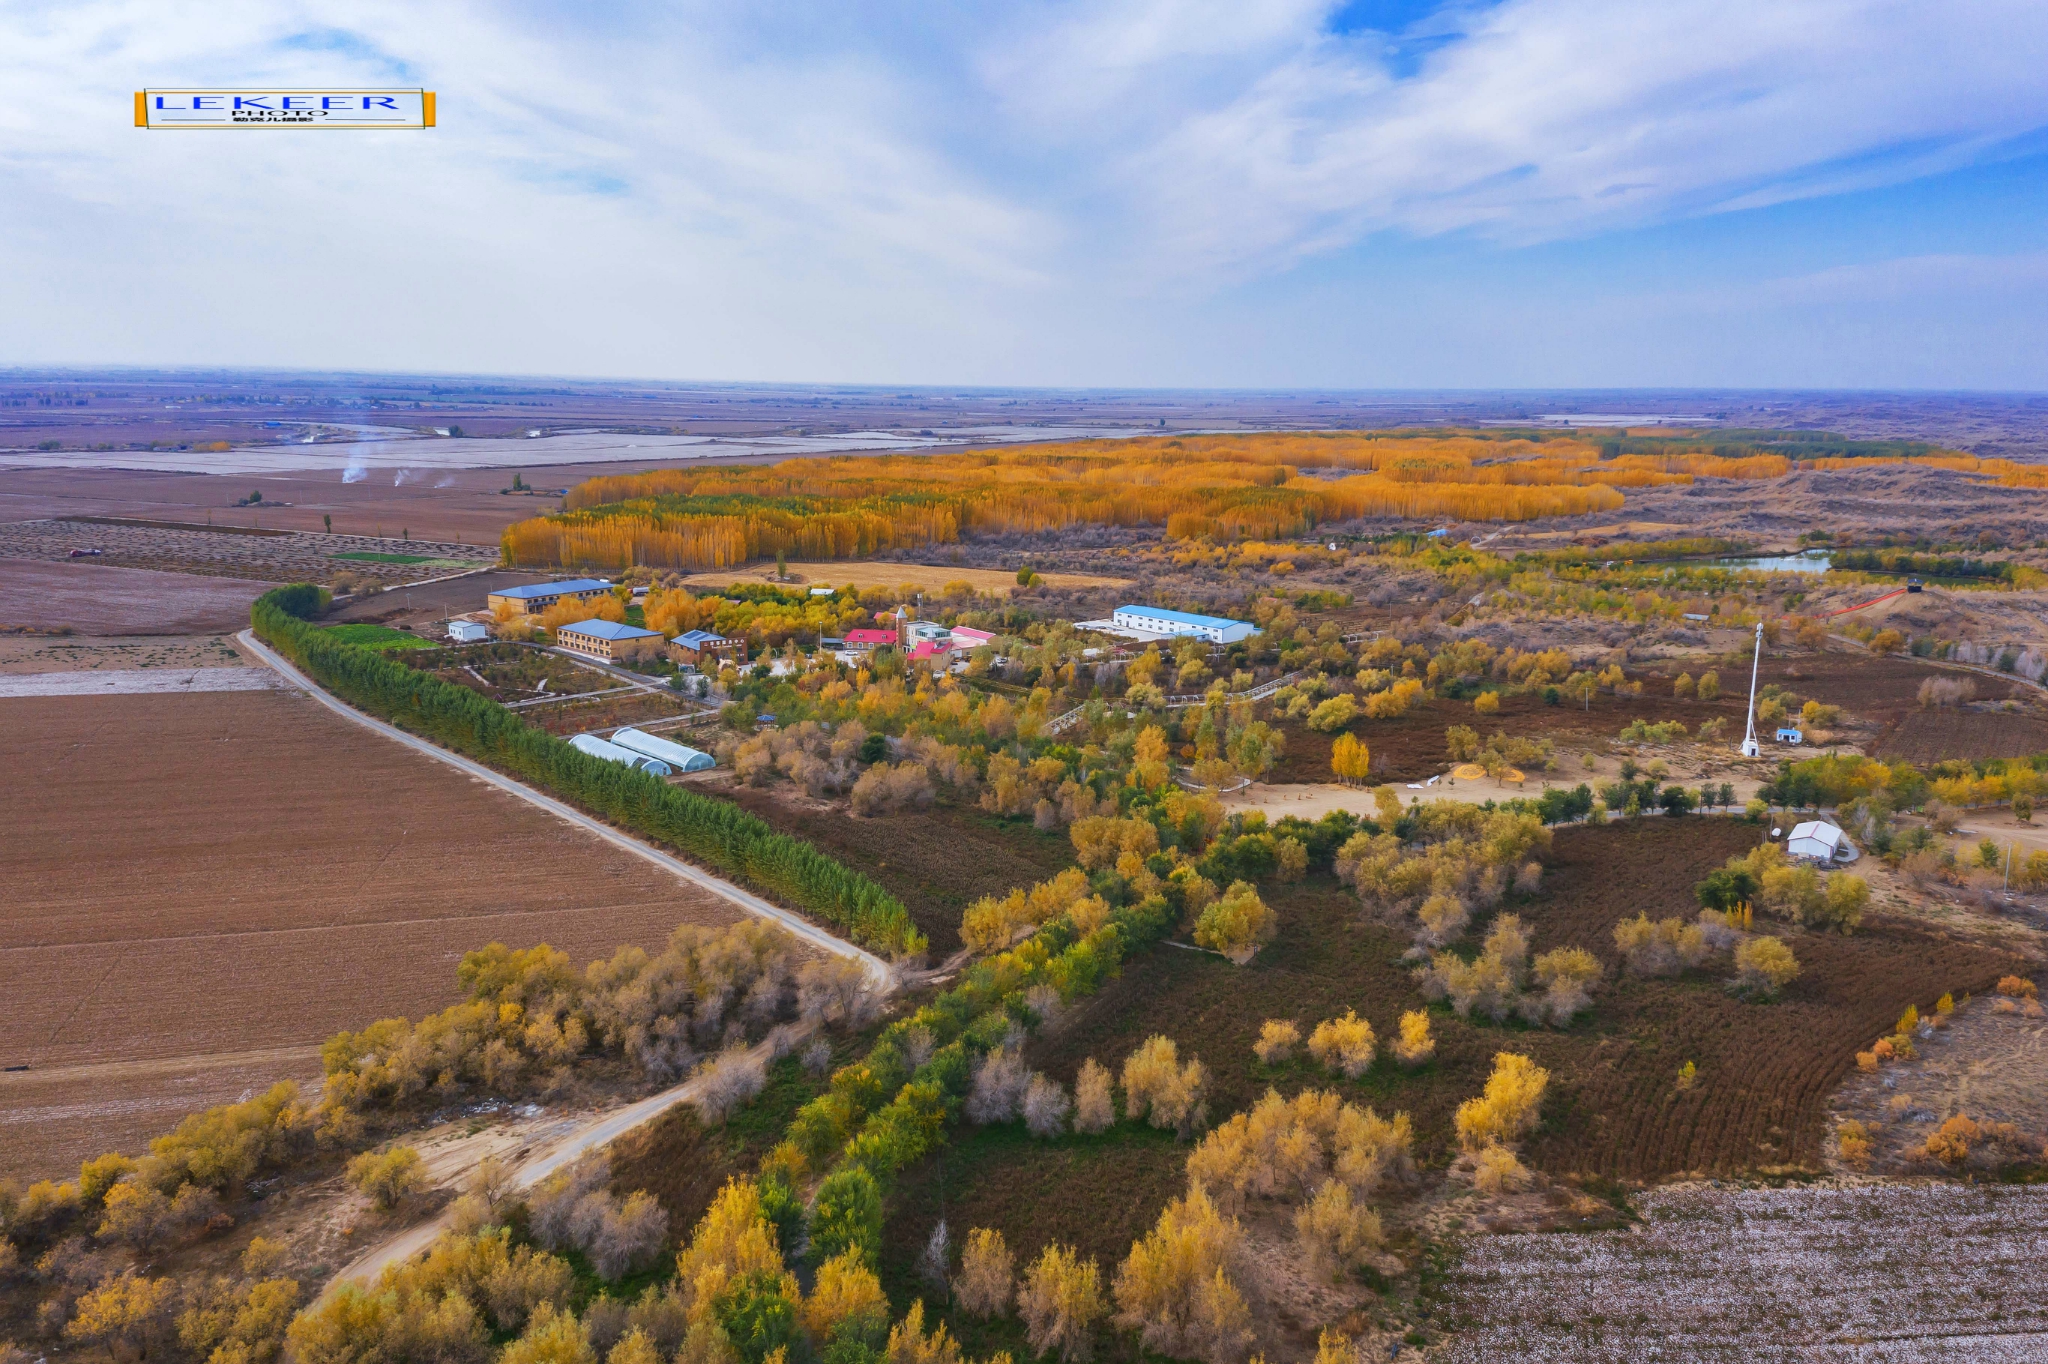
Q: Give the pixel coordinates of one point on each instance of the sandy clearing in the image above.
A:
(194, 878)
(140, 682)
(864, 574)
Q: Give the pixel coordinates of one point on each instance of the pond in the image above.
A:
(1811, 561)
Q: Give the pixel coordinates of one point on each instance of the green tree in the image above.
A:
(848, 1216)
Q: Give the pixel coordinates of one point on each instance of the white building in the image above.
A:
(467, 632)
(1821, 841)
(1158, 620)
(598, 748)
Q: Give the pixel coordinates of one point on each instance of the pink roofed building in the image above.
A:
(866, 640)
(965, 637)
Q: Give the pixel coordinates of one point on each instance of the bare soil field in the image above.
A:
(937, 861)
(263, 556)
(193, 879)
(1880, 692)
(1989, 1064)
(884, 573)
(1411, 747)
(1874, 1274)
(21, 654)
(100, 599)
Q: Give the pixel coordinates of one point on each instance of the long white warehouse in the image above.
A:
(598, 748)
(679, 758)
(1159, 620)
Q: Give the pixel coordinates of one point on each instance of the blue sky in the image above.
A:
(1375, 194)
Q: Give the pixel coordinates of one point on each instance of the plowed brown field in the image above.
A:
(201, 888)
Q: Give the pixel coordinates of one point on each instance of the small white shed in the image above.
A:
(467, 632)
(1821, 841)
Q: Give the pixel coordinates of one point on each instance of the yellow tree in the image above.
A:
(1350, 759)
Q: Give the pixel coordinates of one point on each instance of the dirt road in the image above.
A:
(557, 1150)
(880, 974)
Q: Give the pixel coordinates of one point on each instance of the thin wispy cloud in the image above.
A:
(1050, 191)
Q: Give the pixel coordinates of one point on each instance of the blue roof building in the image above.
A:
(1159, 620)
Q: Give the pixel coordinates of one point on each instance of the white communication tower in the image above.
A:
(1750, 747)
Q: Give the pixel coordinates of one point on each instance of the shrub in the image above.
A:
(1507, 1107)
(1443, 918)
(1497, 1171)
(1487, 703)
(1951, 1143)
(726, 1082)
(1659, 949)
(1094, 1109)
(1288, 1147)
(1000, 1083)
(1709, 686)
(1278, 1038)
(1174, 1288)
(847, 1216)
(1045, 1107)
(1852, 1139)
(1566, 975)
(2017, 987)
(1060, 1302)
(135, 1214)
(987, 1274)
(388, 1179)
(1764, 966)
(846, 1300)
(1159, 1089)
(1333, 714)
(1335, 1231)
(1344, 1045)
(1415, 1045)
(1236, 925)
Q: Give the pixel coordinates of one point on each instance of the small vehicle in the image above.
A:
(86, 553)
(1914, 584)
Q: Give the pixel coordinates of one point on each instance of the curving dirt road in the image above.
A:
(563, 1146)
(880, 974)
(559, 1148)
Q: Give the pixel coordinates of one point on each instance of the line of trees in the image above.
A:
(717, 834)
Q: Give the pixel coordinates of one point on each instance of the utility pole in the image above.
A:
(1750, 748)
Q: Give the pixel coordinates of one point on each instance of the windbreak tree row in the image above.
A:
(718, 835)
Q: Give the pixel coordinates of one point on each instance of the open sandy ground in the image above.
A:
(203, 887)
(930, 577)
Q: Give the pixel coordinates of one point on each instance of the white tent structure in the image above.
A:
(598, 748)
(678, 757)
(1821, 841)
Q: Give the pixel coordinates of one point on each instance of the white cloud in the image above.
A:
(1543, 118)
(1063, 191)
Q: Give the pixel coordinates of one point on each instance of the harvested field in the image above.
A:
(278, 874)
(1411, 747)
(937, 861)
(1875, 687)
(1765, 1071)
(1928, 736)
(235, 552)
(32, 654)
(1871, 1274)
(95, 598)
(867, 573)
(141, 682)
